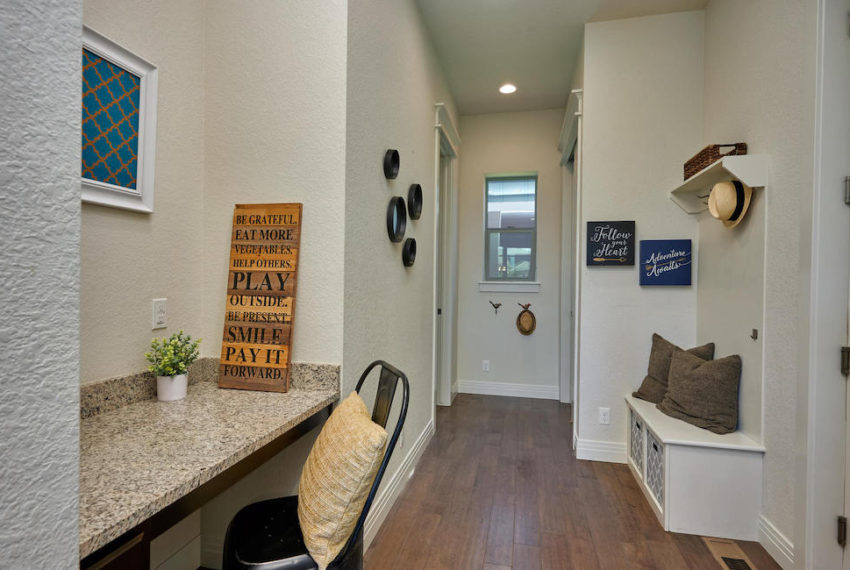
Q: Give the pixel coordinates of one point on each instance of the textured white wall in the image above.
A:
(509, 142)
(40, 231)
(759, 89)
(393, 83)
(275, 132)
(643, 85)
(129, 258)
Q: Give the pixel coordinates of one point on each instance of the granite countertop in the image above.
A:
(140, 458)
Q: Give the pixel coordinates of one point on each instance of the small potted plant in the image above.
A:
(170, 359)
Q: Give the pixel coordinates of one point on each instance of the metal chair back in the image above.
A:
(387, 383)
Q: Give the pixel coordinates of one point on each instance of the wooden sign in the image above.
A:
(611, 243)
(260, 310)
(665, 262)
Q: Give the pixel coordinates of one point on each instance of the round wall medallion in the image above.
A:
(391, 163)
(526, 322)
(396, 219)
(408, 253)
(414, 201)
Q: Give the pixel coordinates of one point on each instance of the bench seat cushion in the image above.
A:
(654, 386)
(704, 392)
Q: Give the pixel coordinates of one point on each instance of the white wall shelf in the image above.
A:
(692, 195)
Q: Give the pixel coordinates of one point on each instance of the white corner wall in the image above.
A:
(759, 89)
(730, 301)
(643, 92)
(394, 81)
(519, 365)
(40, 205)
(248, 111)
(275, 132)
(129, 258)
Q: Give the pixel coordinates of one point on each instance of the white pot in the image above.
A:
(170, 388)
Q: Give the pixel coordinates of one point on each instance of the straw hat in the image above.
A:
(729, 202)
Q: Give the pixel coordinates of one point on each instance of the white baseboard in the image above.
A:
(608, 451)
(391, 488)
(776, 543)
(541, 391)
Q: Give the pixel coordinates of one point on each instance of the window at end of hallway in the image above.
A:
(510, 228)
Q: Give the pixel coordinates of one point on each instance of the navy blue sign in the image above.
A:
(665, 262)
(611, 243)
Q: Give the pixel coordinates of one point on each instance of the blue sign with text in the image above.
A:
(665, 262)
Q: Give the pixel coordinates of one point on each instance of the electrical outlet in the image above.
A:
(160, 313)
(485, 365)
(605, 416)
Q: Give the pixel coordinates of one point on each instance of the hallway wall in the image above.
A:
(761, 91)
(643, 90)
(520, 365)
(394, 80)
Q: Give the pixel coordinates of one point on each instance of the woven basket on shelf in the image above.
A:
(711, 154)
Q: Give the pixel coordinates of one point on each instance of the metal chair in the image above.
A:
(266, 535)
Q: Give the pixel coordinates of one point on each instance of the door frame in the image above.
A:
(821, 428)
(570, 145)
(446, 143)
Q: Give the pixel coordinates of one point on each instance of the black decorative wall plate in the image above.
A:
(414, 201)
(408, 253)
(396, 219)
(391, 163)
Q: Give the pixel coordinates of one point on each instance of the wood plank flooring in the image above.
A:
(499, 488)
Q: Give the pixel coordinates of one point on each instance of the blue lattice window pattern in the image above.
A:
(110, 142)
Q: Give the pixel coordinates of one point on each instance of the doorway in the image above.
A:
(822, 486)
(445, 258)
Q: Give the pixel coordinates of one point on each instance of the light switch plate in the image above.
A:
(159, 313)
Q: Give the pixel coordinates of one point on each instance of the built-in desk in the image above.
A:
(147, 465)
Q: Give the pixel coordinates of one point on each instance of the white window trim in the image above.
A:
(509, 286)
(141, 199)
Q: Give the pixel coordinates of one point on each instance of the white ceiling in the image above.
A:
(531, 43)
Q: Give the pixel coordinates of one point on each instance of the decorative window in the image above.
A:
(118, 125)
(510, 229)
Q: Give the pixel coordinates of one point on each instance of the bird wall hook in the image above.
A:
(496, 306)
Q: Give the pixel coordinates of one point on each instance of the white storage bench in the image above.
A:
(696, 481)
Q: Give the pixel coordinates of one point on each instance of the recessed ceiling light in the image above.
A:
(507, 88)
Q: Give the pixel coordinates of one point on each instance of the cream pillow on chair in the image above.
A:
(337, 477)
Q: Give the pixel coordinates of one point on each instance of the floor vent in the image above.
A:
(736, 563)
(728, 554)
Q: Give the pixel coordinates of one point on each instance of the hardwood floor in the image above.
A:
(499, 488)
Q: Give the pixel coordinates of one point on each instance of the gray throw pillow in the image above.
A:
(704, 392)
(654, 386)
